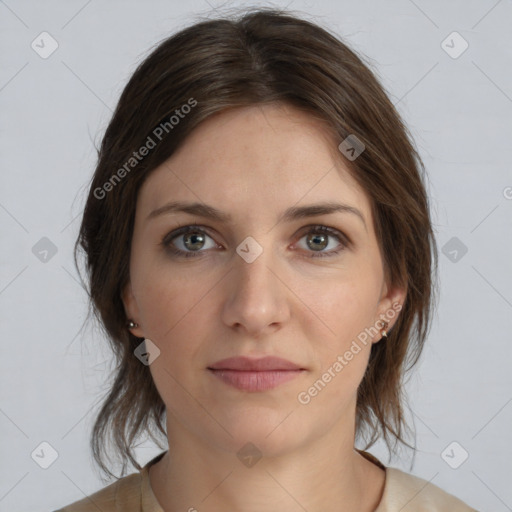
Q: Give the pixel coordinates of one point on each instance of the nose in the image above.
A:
(256, 302)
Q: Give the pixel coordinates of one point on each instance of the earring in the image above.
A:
(132, 324)
(383, 333)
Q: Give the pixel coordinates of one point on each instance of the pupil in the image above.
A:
(197, 240)
(318, 239)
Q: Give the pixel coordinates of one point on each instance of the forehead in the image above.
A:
(256, 158)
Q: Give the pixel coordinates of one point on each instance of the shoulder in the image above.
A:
(124, 494)
(409, 493)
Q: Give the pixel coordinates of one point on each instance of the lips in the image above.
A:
(263, 364)
(254, 375)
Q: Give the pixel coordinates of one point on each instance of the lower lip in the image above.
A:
(255, 381)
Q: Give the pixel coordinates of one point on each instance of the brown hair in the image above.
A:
(262, 56)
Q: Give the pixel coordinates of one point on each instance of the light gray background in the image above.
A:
(53, 110)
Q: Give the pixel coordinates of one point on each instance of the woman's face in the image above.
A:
(264, 271)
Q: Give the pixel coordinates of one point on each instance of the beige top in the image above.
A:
(402, 492)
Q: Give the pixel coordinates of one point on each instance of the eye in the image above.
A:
(193, 241)
(319, 238)
(189, 241)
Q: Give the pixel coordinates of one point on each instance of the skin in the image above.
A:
(254, 163)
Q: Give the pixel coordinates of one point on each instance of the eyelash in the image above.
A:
(316, 229)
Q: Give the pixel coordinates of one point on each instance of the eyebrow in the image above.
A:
(291, 214)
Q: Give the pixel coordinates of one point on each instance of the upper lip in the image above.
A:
(268, 363)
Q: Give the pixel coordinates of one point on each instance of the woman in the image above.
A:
(260, 252)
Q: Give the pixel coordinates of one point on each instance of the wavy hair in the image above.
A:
(257, 57)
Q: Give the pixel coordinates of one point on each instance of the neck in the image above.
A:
(316, 477)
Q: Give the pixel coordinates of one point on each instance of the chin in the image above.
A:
(261, 431)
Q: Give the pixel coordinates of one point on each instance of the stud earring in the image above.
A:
(383, 332)
(132, 324)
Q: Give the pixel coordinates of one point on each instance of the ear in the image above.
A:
(390, 304)
(131, 309)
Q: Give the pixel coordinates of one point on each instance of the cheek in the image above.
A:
(164, 292)
(341, 314)
(170, 311)
(177, 310)
(341, 307)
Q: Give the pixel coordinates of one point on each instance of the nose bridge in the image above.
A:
(254, 275)
(256, 298)
(253, 280)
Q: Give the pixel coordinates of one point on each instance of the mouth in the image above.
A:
(255, 375)
(255, 381)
